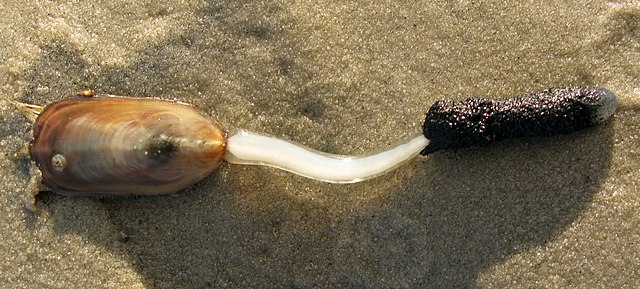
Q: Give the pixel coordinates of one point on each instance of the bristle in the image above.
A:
(30, 111)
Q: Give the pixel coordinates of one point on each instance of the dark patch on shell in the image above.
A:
(161, 149)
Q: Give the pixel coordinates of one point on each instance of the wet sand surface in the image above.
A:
(550, 212)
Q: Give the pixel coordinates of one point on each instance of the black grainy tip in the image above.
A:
(480, 121)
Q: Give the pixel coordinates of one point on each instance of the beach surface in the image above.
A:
(344, 78)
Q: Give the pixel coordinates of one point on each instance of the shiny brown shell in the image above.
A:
(120, 146)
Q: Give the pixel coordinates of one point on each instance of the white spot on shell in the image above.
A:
(59, 162)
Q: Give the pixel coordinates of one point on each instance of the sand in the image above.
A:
(344, 78)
